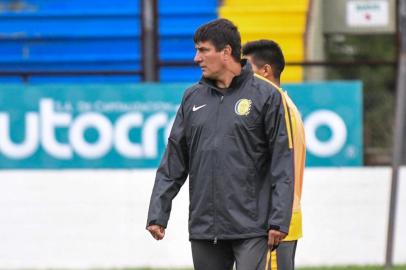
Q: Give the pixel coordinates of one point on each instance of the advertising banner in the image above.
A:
(125, 126)
(332, 116)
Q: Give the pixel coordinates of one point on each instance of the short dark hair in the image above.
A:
(266, 52)
(220, 32)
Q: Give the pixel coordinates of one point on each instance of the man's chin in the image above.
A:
(207, 76)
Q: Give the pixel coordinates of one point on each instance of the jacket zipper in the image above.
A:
(214, 176)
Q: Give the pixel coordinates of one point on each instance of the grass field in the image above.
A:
(312, 268)
(354, 268)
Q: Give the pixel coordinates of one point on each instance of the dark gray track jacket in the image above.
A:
(235, 146)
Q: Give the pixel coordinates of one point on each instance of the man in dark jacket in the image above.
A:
(232, 137)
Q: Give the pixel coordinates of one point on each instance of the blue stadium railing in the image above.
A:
(85, 41)
(178, 21)
(50, 37)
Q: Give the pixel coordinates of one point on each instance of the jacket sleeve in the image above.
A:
(278, 131)
(171, 174)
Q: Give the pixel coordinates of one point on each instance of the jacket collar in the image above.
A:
(236, 82)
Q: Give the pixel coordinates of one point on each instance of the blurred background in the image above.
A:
(88, 93)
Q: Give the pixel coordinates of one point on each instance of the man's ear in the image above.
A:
(268, 71)
(227, 52)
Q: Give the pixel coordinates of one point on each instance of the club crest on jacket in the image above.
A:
(243, 106)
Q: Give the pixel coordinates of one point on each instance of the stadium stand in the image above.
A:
(42, 35)
(178, 20)
(282, 21)
(66, 36)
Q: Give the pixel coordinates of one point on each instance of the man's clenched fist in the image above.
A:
(157, 231)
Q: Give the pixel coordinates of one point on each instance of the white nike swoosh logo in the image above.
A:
(198, 108)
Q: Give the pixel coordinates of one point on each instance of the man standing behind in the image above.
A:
(232, 137)
(267, 60)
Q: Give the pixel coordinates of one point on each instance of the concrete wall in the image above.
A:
(87, 219)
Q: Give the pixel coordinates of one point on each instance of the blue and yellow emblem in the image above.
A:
(243, 106)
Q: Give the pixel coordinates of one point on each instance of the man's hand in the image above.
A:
(157, 231)
(275, 238)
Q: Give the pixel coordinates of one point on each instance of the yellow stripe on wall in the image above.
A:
(285, 22)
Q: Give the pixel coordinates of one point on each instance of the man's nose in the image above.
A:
(197, 58)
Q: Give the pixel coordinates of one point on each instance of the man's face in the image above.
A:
(210, 61)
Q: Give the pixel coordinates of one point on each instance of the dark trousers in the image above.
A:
(247, 254)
